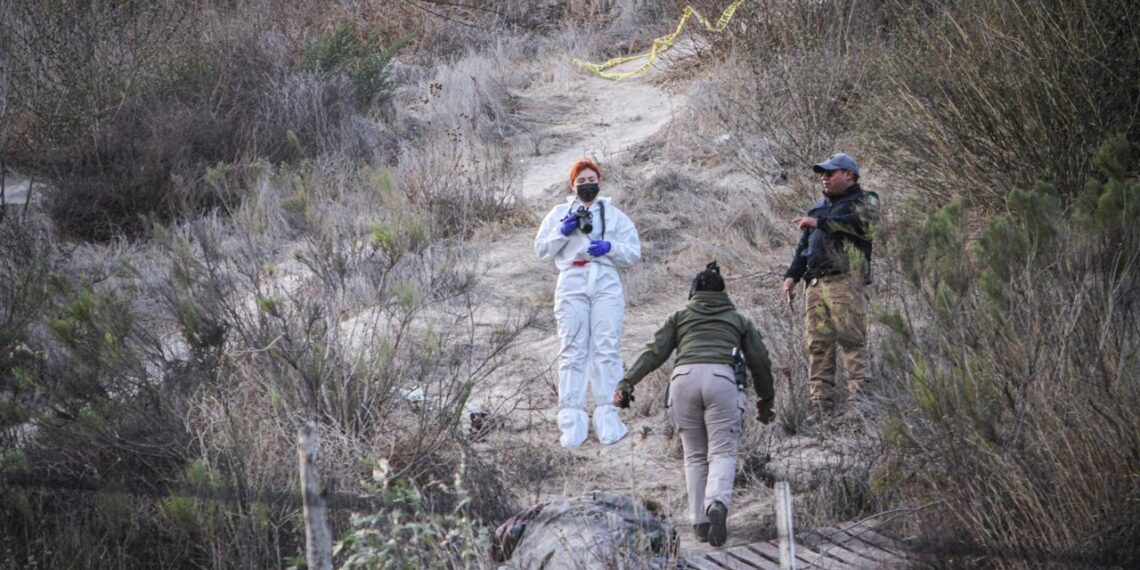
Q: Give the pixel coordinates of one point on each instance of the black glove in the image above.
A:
(764, 412)
(622, 399)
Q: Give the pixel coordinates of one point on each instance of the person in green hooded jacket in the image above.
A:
(704, 401)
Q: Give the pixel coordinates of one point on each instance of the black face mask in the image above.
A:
(588, 191)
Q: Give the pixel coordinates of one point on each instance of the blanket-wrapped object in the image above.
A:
(599, 530)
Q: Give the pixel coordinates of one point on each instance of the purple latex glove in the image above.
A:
(598, 248)
(569, 224)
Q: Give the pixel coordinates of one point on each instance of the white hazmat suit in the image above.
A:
(589, 305)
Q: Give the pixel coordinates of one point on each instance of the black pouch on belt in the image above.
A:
(739, 369)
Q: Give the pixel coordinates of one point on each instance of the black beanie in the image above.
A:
(707, 280)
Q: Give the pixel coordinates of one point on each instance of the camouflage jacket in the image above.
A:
(843, 236)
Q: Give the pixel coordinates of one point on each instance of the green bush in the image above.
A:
(358, 53)
(407, 535)
(103, 427)
(27, 258)
(1019, 357)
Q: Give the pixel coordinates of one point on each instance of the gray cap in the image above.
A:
(837, 161)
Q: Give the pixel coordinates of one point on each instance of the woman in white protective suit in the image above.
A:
(589, 240)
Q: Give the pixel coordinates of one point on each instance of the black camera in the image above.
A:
(585, 219)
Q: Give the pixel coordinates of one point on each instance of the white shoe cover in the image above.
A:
(575, 426)
(608, 425)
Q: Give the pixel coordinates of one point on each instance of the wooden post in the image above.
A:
(3, 188)
(784, 526)
(318, 539)
(28, 198)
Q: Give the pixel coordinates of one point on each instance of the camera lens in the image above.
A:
(584, 219)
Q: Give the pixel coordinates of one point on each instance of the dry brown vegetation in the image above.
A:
(268, 213)
(990, 363)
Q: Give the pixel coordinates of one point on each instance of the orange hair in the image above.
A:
(583, 165)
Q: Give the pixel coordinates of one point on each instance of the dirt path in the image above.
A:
(606, 119)
(584, 115)
(587, 116)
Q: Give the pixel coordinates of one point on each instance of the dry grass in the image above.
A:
(944, 109)
(321, 287)
(332, 276)
(126, 123)
(932, 100)
(263, 347)
(792, 73)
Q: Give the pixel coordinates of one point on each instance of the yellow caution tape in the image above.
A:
(660, 45)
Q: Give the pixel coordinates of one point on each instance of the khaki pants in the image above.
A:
(706, 408)
(835, 315)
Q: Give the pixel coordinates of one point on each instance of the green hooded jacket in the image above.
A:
(705, 332)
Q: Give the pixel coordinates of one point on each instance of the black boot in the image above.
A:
(718, 515)
(702, 531)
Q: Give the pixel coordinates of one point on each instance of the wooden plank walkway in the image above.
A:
(843, 547)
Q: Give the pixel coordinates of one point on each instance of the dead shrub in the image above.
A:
(128, 134)
(794, 72)
(460, 183)
(974, 98)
